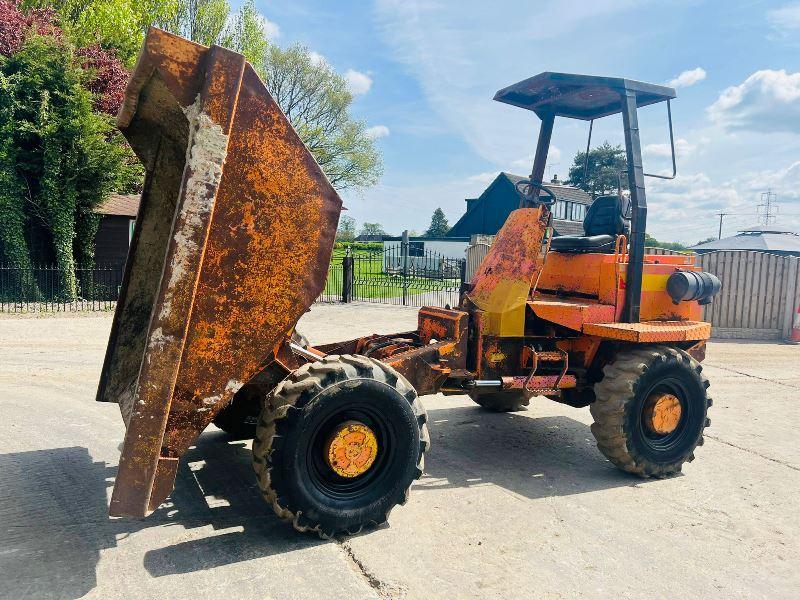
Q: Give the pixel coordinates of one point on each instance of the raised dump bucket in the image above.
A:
(231, 246)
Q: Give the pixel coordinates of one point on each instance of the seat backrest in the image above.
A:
(604, 217)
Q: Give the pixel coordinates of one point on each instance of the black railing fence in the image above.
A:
(43, 288)
(400, 274)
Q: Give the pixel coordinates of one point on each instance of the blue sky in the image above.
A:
(425, 71)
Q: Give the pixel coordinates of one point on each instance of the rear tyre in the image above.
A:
(650, 410)
(299, 470)
(512, 401)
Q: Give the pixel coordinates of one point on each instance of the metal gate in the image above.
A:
(403, 275)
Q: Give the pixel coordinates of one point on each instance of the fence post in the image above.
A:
(404, 250)
(347, 276)
(791, 302)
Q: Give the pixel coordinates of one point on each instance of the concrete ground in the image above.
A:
(518, 505)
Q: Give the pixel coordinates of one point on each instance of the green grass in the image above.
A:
(370, 280)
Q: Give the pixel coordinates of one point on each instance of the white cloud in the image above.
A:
(270, 29)
(784, 182)
(767, 101)
(784, 20)
(683, 147)
(459, 61)
(377, 132)
(316, 58)
(358, 82)
(524, 164)
(688, 78)
(686, 209)
(483, 178)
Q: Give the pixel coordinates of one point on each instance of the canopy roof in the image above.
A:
(582, 97)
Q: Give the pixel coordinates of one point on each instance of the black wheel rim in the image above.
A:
(679, 437)
(324, 478)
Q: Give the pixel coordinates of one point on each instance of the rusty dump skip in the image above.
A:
(232, 244)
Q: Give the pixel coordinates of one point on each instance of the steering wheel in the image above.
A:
(525, 187)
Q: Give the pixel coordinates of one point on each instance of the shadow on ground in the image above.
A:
(54, 520)
(53, 503)
(533, 457)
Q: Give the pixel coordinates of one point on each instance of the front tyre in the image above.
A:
(650, 410)
(339, 444)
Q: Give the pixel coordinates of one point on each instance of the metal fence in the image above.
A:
(398, 274)
(760, 294)
(475, 255)
(42, 288)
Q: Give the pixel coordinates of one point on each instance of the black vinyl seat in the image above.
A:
(602, 224)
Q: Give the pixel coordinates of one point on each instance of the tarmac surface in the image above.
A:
(511, 505)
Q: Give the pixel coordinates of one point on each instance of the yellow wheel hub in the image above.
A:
(351, 449)
(662, 413)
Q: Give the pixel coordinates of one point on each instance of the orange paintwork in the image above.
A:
(351, 449)
(584, 347)
(651, 331)
(662, 413)
(566, 273)
(588, 286)
(571, 312)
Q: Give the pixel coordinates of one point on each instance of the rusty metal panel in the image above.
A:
(571, 312)
(211, 291)
(539, 384)
(425, 367)
(503, 282)
(652, 331)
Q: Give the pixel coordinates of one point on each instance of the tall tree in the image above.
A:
(606, 162)
(439, 226)
(314, 97)
(58, 158)
(317, 102)
(121, 24)
(372, 229)
(346, 231)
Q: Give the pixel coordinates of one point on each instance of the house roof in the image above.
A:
(759, 238)
(120, 205)
(568, 227)
(562, 192)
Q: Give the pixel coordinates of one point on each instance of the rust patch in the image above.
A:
(246, 254)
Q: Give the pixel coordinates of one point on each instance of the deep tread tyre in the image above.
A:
(286, 447)
(618, 410)
(502, 401)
